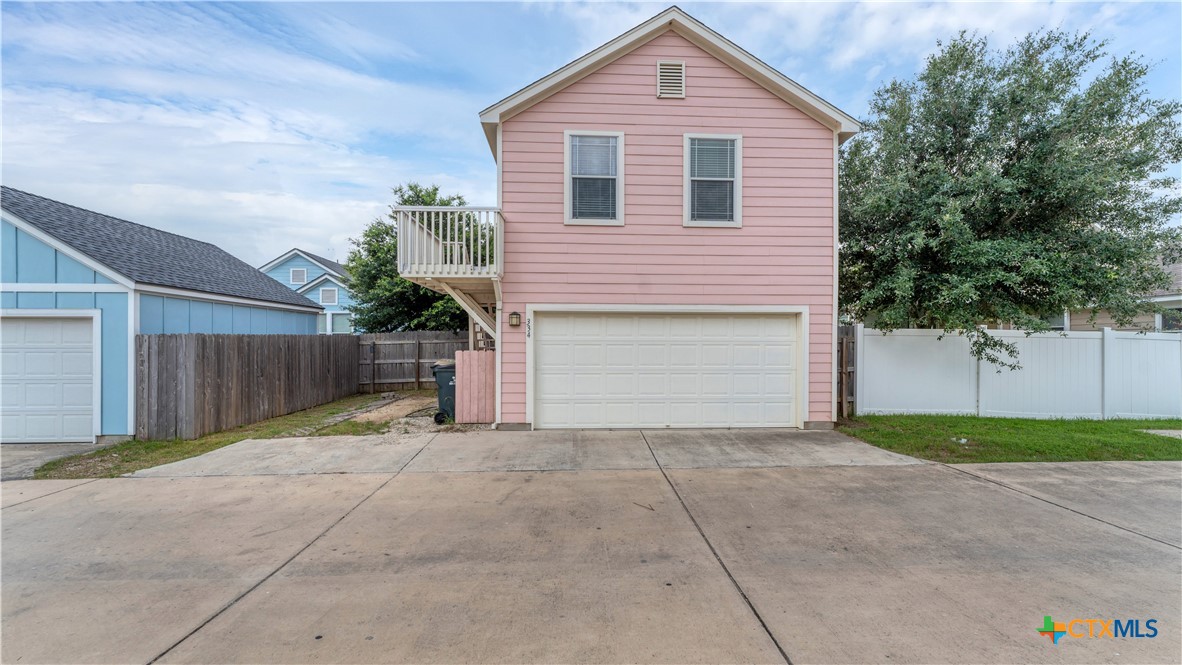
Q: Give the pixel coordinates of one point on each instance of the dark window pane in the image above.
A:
(712, 200)
(593, 198)
(1171, 320)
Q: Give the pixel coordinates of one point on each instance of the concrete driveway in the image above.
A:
(667, 546)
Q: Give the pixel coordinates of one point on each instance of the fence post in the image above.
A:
(418, 360)
(859, 354)
(1107, 373)
(373, 365)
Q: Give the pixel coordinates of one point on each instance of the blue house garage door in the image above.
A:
(47, 377)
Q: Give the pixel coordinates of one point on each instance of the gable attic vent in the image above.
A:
(670, 79)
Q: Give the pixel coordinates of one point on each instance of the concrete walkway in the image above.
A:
(575, 547)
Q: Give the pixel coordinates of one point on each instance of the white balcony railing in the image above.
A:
(440, 242)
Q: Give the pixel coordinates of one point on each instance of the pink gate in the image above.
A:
(476, 386)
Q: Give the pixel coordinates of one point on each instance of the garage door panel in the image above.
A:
(683, 355)
(76, 395)
(653, 370)
(12, 363)
(716, 355)
(554, 384)
(74, 363)
(779, 355)
(42, 364)
(554, 354)
(652, 355)
(48, 381)
(621, 356)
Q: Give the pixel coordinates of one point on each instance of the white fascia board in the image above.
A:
(152, 289)
(292, 253)
(697, 33)
(68, 250)
(326, 277)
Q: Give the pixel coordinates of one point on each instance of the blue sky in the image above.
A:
(260, 127)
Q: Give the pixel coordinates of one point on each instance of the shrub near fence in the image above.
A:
(188, 386)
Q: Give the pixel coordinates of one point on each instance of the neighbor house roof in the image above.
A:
(146, 255)
(695, 32)
(328, 264)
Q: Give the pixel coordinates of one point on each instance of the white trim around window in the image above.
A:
(568, 218)
(737, 221)
(303, 276)
(326, 301)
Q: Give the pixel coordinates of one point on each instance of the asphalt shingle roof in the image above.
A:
(339, 269)
(147, 255)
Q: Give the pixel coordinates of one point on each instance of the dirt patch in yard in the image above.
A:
(398, 409)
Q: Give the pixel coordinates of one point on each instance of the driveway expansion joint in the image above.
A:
(285, 563)
(1035, 496)
(734, 582)
(64, 489)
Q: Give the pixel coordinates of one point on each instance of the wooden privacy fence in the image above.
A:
(393, 361)
(191, 385)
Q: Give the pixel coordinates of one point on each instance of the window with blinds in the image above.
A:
(713, 185)
(594, 177)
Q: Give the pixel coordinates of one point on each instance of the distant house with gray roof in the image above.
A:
(323, 280)
(78, 285)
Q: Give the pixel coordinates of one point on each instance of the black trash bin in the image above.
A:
(445, 378)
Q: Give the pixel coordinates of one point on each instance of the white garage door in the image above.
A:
(47, 375)
(657, 370)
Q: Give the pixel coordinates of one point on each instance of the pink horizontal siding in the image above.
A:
(783, 255)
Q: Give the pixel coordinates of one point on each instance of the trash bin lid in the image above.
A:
(444, 363)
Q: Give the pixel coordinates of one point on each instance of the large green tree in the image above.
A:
(384, 301)
(1006, 186)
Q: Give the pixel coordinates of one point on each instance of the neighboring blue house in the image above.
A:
(76, 288)
(321, 280)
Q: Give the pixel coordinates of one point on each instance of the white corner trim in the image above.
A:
(68, 250)
(566, 178)
(836, 278)
(96, 350)
(133, 329)
(802, 312)
(737, 223)
(498, 361)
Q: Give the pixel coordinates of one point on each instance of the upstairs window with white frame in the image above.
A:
(713, 180)
(328, 296)
(299, 275)
(594, 167)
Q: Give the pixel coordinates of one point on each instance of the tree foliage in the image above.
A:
(1007, 186)
(384, 301)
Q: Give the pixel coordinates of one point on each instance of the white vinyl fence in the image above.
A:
(1098, 375)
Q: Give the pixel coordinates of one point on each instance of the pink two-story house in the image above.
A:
(664, 252)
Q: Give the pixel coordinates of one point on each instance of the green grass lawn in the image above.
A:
(938, 438)
(135, 455)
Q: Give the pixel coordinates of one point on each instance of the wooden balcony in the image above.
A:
(457, 251)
